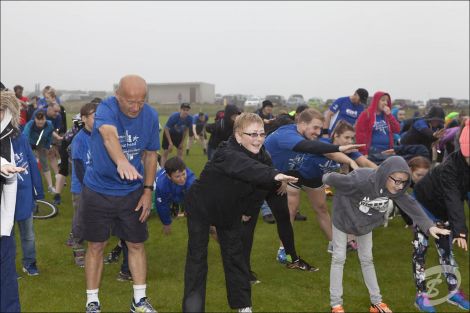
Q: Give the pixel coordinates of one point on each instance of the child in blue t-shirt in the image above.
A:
(81, 159)
(29, 189)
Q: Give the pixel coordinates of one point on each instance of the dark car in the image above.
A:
(276, 100)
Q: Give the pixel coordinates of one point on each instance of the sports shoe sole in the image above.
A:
(456, 304)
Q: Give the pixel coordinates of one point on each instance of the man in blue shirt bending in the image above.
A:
(118, 185)
(345, 108)
(176, 130)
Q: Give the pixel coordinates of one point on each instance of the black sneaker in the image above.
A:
(301, 265)
(57, 199)
(113, 256)
(300, 217)
(269, 218)
(124, 276)
(253, 279)
(187, 151)
(204, 151)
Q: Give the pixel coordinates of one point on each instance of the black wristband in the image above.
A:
(324, 131)
(148, 187)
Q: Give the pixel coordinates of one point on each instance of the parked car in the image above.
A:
(254, 102)
(218, 99)
(462, 103)
(235, 99)
(277, 100)
(295, 100)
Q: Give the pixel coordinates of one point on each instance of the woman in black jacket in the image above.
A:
(220, 197)
(221, 129)
(442, 193)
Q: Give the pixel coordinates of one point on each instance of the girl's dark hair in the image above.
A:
(419, 162)
(174, 164)
(88, 108)
(341, 127)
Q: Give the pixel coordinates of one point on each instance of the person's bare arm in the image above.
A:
(342, 158)
(150, 168)
(195, 133)
(185, 135)
(362, 161)
(111, 142)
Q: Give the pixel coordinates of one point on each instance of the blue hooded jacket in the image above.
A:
(29, 182)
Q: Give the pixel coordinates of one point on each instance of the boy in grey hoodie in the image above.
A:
(360, 204)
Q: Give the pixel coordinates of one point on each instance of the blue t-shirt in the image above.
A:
(315, 165)
(280, 143)
(178, 125)
(380, 134)
(167, 192)
(29, 183)
(135, 136)
(80, 151)
(345, 110)
(56, 122)
(421, 124)
(198, 122)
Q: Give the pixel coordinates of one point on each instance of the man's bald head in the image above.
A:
(131, 94)
(132, 85)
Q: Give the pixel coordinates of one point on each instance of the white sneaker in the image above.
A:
(245, 310)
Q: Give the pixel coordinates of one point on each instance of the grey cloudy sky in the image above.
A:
(416, 50)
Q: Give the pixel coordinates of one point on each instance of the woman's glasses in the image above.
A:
(255, 135)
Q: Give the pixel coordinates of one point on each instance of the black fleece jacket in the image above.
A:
(443, 190)
(229, 184)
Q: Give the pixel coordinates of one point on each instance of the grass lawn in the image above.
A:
(60, 287)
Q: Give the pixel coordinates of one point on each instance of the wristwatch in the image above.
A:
(148, 187)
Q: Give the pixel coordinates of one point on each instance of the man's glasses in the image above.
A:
(255, 135)
(131, 102)
(398, 182)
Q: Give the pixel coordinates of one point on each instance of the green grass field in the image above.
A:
(60, 287)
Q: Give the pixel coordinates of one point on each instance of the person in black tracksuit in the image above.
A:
(442, 193)
(227, 186)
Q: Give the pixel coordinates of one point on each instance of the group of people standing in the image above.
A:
(254, 160)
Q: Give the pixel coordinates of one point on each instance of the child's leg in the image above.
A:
(28, 244)
(367, 265)
(338, 258)
(447, 261)
(420, 246)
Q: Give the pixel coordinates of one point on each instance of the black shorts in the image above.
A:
(191, 133)
(314, 183)
(175, 138)
(199, 129)
(103, 215)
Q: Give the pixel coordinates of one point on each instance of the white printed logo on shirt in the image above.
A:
(129, 143)
(380, 204)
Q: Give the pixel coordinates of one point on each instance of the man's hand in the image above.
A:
(145, 203)
(245, 218)
(389, 152)
(282, 189)
(435, 231)
(167, 229)
(127, 171)
(170, 147)
(461, 242)
(350, 148)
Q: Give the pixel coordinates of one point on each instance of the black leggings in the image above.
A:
(280, 210)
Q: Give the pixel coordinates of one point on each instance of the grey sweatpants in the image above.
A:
(77, 216)
(338, 258)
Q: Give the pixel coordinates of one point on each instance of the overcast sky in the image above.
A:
(417, 50)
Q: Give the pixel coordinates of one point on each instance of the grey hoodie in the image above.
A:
(362, 200)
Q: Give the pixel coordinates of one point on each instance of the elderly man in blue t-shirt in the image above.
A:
(118, 185)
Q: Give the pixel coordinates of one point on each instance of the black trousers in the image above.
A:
(195, 275)
(280, 210)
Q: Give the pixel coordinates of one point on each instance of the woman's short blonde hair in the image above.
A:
(11, 103)
(244, 120)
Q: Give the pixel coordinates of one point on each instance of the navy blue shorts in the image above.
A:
(103, 215)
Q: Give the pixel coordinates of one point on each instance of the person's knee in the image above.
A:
(338, 258)
(135, 247)
(366, 258)
(96, 248)
(321, 209)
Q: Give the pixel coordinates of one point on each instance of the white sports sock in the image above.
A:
(92, 296)
(139, 292)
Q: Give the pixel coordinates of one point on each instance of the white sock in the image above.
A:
(92, 296)
(139, 292)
